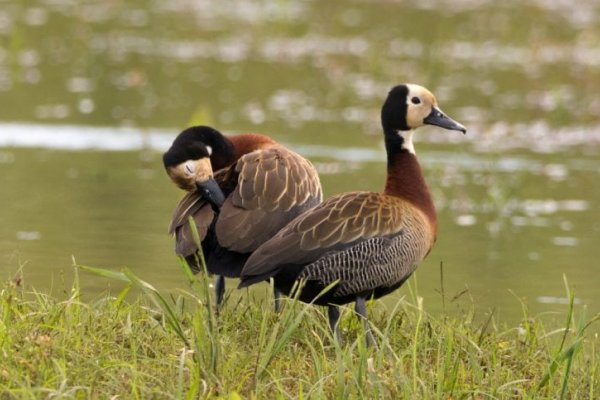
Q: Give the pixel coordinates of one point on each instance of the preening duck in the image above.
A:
(369, 243)
(258, 186)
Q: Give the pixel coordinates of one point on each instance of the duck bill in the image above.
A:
(211, 192)
(438, 118)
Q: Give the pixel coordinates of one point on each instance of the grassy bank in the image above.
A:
(173, 347)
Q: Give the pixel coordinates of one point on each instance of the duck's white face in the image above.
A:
(422, 109)
(420, 102)
(191, 172)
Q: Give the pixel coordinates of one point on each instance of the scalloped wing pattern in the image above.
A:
(274, 185)
(349, 235)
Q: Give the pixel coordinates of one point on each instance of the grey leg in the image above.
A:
(361, 310)
(219, 290)
(277, 299)
(333, 312)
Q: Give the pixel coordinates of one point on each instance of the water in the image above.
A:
(91, 93)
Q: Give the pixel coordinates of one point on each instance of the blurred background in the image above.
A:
(91, 93)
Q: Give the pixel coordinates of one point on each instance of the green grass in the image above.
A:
(157, 346)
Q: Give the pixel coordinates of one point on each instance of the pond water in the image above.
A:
(92, 92)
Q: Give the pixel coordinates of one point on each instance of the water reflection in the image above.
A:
(159, 60)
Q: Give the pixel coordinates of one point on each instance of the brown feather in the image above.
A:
(265, 187)
(191, 205)
(379, 216)
(276, 189)
(274, 185)
(188, 205)
(405, 179)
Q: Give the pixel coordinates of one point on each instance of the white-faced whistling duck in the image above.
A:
(369, 243)
(257, 188)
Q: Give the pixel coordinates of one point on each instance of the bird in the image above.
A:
(361, 244)
(241, 190)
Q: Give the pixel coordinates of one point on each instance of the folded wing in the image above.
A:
(273, 186)
(349, 235)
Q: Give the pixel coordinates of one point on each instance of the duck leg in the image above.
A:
(361, 309)
(277, 299)
(333, 312)
(219, 291)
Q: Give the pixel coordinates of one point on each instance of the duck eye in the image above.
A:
(190, 168)
(415, 100)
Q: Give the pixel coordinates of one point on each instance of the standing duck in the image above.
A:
(366, 244)
(258, 186)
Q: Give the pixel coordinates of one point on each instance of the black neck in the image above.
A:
(223, 153)
(393, 145)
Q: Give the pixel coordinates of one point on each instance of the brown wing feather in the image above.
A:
(191, 205)
(185, 245)
(188, 205)
(340, 220)
(274, 185)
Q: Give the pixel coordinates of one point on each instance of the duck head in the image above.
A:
(188, 163)
(408, 107)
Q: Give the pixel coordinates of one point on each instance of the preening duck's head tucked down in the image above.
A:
(200, 142)
(192, 158)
